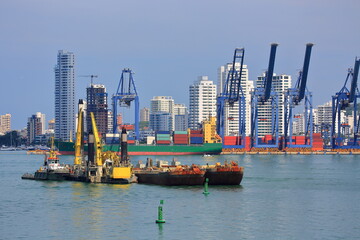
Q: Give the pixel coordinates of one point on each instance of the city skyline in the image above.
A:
(168, 44)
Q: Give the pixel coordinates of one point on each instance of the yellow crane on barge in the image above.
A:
(100, 167)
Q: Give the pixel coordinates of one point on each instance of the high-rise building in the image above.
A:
(110, 122)
(162, 113)
(96, 99)
(280, 83)
(160, 121)
(181, 117)
(324, 113)
(51, 124)
(231, 126)
(65, 96)
(5, 123)
(144, 114)
(35, 127)
(202, 101)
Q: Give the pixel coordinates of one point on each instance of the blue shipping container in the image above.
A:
(163, 132)
(196, 140)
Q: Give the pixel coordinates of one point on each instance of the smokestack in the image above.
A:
(91, 150)
(124, 150)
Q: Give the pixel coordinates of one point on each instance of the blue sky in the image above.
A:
(168, 44)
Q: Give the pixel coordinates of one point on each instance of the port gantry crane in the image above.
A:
(293, 97)
(232, 93)
(260, 96)
(341, 101)
(125, 94)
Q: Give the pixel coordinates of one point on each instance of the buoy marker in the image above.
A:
(206, 186)
(160, 213)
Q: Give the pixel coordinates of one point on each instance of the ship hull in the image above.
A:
(67, 148)
(54, 176)
(224, 177)
(168, 179)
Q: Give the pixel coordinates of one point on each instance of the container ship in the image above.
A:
(190, 142)
(67, 148)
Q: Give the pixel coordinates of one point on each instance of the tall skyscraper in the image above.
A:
(5, 123)
(65, 96)
(280, 83)
(202, 101)
(232, 113)
(162, 113)
(96, 99)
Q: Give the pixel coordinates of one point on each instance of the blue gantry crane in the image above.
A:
(125, 94)
(293, 97)
(264, 95)
(342, 100)
(232, 93)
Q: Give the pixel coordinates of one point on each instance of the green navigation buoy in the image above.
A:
(160, 213)
(206, 185)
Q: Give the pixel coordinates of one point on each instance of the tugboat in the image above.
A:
(169, 175)
(52, 169)
(227, 174)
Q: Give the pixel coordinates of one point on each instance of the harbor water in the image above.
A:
(280, 197)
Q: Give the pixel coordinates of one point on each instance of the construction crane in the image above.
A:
(293, 97)
(125, 94)
(341, 101)
(264, 95)
(232, 93)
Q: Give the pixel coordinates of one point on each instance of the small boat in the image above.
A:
(51, 170)
(170, 175)
(227, 174)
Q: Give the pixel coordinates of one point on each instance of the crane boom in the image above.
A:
(98, 147)
(233, 83)
(354, 80)
(79, 136)
(269, 73)
(304, 72)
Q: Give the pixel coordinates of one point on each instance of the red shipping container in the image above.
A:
(197, 135)
(196, 131)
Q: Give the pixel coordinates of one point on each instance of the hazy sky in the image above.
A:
(168, 44)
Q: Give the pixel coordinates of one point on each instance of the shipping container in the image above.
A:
(196, 140)
(196, 131)
(180, 132)
(197, 135)
(163, 132)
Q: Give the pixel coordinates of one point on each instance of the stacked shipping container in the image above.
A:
(180, 138)
(196, 137)
(163, 138)
(318, 144)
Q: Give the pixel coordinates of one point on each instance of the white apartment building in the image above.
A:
(65, 96)
(324, 113)
(144, 114)
(162, 113)
(5, 123)
(202, 101)
(232, 113)
(280, 83)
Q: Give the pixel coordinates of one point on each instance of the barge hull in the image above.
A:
(170, 179)
(224, 178)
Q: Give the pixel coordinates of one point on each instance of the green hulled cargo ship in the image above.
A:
(67, 148)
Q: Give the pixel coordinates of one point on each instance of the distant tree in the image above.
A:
(143, 125)
(12, 138)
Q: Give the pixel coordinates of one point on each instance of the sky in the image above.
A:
(167, 44)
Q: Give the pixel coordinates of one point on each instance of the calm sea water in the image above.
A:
(280, 197)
